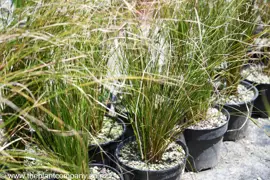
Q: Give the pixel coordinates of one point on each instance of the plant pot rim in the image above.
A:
(251, 87)
(120, 121)
(108, 167)
(224, 111)
(131, 139)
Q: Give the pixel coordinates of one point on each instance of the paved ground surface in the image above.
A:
(246, 159)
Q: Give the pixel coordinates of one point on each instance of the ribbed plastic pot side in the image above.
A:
(240, 114)
(261, 106)
(204, 146)
(105, 153)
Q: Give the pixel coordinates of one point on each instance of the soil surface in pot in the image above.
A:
(244, 95)
(214, 118)
(111, 130)
(255, 74)
(102, 173)
(172, 157)
(260, 45)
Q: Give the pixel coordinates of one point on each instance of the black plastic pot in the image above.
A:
(262, 101)
(108, 167)
(129, 130)
(239, 116)
(123, 115)
(104, 153)
(181, 138)
(204, 146)
(131, 173)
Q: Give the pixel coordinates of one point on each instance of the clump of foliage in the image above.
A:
(239, 32)
(54, 65)
(165, 83)
(264, 11)
(54, 69)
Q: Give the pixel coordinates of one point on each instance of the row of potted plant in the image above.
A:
(257, 71)
(56, 82)
(203, 140)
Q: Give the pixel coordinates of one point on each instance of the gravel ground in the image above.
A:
(246, 159)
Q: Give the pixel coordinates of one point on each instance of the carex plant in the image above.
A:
(264, 11)
(226, 32)
(190, 60)
(21, 81)
(219, 33)
(53, 66)
(79, 105)
(241, 29)
(162, 83)
(16, 103)
(232, 34)
(149, 104)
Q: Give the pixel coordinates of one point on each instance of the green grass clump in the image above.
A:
(165, 82)
(52, 77)
(56, 74)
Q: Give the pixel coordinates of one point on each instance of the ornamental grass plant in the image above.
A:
(176, 62)
(235, 36)
(165, 80)
(223, 32)
(54, 72)
(54, 62)
(214, 34)
(264, 11)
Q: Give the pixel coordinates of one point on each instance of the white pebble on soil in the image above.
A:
(102, 173)
(214, 118)
(261, 43)
(244, 95)
(111, 130)
(173, 156)
(255, 74)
